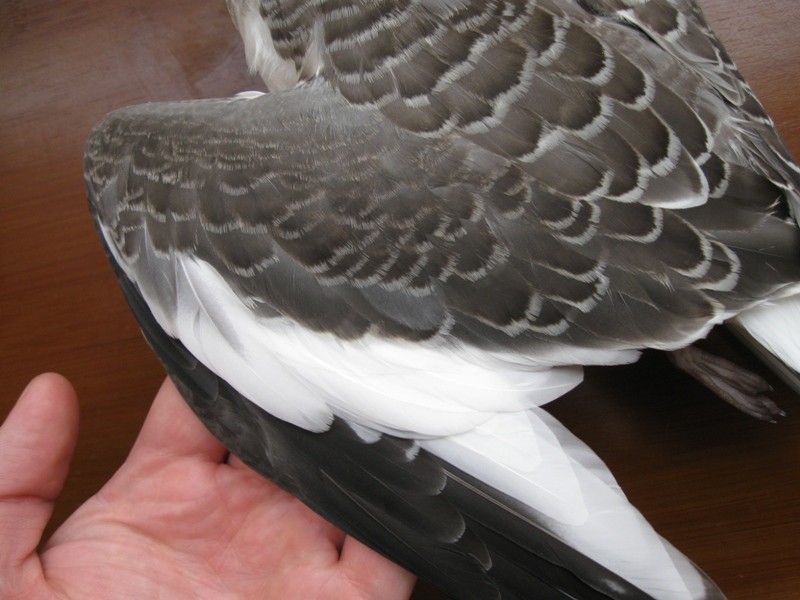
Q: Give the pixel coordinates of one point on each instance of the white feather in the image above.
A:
(248, 95)
(262, 58)
(306, 378)
(395, 387)
(533, 458)
(776, 326)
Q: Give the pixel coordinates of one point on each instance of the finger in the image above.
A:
(373, 576)
(36, 444)
(236, 463)
(172, 429)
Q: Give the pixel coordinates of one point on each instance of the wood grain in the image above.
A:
(722, 487)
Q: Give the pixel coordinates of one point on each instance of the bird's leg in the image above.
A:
(740, 387)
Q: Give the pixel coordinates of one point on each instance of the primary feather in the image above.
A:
(368, 281)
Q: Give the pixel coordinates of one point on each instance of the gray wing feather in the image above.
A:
(632, 99)
(338, 218)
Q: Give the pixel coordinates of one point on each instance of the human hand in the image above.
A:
(180, 519)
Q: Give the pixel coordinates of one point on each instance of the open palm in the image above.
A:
(180, 519)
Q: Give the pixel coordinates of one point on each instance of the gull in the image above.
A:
(368, 281)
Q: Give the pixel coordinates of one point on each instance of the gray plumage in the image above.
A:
(561, 194)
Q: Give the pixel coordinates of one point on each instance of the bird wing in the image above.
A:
(336, 218)
(632, 101)
(401, 260)
(636, 101)
(680, 28)
(457, 531)
(295, 275)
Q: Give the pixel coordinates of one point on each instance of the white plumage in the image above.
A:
(773, 324)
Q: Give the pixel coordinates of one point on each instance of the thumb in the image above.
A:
(36, 445)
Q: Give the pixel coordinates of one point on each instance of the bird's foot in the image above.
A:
(742, 388)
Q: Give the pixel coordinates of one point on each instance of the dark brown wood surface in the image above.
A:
(721, 486)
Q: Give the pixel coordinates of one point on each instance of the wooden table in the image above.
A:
(722, 487)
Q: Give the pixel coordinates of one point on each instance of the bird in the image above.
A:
(368, 281)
